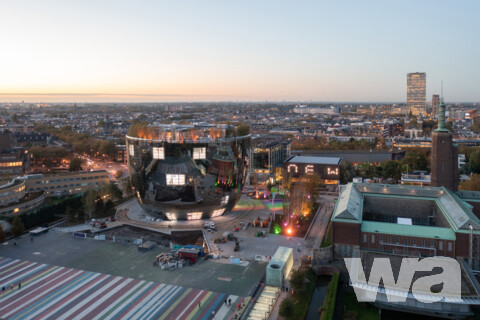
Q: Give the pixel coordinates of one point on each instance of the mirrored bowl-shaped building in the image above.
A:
(188, 172)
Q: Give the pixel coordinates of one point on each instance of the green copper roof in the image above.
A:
(409, 231)
(349, 205)
(441, 117)
(456, 211)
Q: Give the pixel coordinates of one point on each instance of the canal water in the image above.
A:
(318, 298)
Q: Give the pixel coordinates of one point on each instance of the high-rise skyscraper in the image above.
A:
(444, 161)
(416, 93)
(435, 104)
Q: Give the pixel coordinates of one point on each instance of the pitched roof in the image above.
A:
(349, 205)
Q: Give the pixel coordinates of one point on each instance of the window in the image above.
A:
(431, 244)
(194, 215)
(131, 150)
(217, 212)
(414, 242)
(364, 237)
(440, 245)
(199, 153)
(158, 153)
(373, 238)
(389, 240)
(423, 243)
(398, 240)
(175, 179)
(171, 216)
(309, 169)
(225, 200)
(449, 246)
(381, 238)
(292, 168)
(406, 241)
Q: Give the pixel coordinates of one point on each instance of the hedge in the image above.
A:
(329, 303)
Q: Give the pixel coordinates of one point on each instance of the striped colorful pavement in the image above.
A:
(51, 292)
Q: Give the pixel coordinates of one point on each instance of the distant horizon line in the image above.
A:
(98, 94)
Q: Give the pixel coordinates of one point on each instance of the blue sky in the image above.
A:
(237, 50)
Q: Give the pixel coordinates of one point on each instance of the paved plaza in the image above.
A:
(126, 261)
(53, 292)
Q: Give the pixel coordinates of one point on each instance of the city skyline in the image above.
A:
(272, 51)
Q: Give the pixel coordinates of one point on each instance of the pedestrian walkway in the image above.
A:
(227, 308)
(52, 292)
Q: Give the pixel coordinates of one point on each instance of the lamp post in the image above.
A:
(273, 205)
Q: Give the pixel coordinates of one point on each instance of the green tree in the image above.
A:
(89, 201)
(113, 190)
(476, 125)
(243, 129)
(474, 161)
(415, 161)
(347, 172)
(70, 214)
(107, 148)
(472, 185)
(2, 234)
(109, 208)
(449, 125)
(17, 227)
(81, 213)
(287, 308)
(75, 164)
(99, 208)
(392, 169)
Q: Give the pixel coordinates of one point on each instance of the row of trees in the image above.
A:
(388, 169)
(48, 156)
(320, 143)
(81, 142)
(303, 282)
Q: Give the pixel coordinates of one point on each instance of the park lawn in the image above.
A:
(364, 311)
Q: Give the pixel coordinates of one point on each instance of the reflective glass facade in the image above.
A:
(416, 93)
(188, 172)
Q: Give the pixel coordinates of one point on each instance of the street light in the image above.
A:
(273, 205)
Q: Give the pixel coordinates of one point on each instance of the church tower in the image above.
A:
(444, 158)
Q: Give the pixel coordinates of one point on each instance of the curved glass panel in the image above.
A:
(187, 172)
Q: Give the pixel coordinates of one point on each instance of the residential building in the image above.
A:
(62, 184)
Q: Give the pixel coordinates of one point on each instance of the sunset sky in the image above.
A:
(236, 50)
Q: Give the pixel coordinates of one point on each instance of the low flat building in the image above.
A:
(15, 200)
(419, 178)
(356, 157)
(300, 167)
(62, 184)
